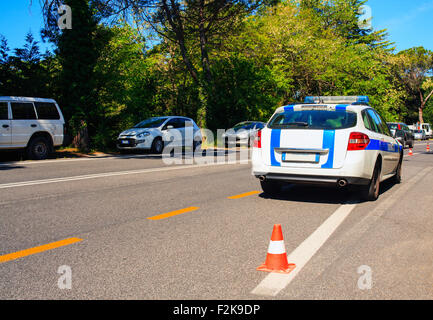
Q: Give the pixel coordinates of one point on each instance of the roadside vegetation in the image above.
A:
(219, 62)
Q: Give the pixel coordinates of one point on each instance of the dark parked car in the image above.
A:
(401, 132)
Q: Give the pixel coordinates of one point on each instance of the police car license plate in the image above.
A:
(125, 142)
(300, 157)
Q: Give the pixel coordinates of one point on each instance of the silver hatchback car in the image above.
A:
(242, 133)
(154, 133)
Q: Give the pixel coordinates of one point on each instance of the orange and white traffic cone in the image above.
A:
(276, 259)
(410, 152)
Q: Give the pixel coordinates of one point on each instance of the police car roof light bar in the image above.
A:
(337, 99)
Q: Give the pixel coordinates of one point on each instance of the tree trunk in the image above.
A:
(206, 87)
(81, 139)
(420, 109)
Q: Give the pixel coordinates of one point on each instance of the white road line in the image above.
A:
(351, 237)
(275, 282)
(109, 174)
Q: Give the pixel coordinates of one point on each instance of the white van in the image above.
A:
(427, 128)
(34, 124)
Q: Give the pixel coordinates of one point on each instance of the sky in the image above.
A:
(409, 22)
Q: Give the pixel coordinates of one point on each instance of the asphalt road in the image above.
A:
(212, 249)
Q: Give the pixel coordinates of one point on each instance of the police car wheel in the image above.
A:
(397, 177)
(270, 187)
(371, 192)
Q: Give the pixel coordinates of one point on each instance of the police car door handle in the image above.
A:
(33, 125)
(5, 126)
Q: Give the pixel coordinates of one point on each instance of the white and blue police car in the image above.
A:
(339, 141)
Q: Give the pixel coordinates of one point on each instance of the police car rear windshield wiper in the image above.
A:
(303, 124)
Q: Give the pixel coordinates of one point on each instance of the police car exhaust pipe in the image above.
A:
(262, 178)
(342, 183)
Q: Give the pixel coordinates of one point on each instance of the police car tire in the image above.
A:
(270, 187)
(371, 191)
(397, 176)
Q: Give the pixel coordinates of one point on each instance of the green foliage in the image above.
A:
(243, 91)
(27, 72)
(109, 76)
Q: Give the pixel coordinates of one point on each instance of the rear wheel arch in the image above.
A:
(379, 163)
(45, 135)
(40, 145)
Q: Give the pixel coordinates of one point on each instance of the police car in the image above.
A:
(337, 141)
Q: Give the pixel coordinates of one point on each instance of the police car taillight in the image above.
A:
(358, 141)
(258, 139)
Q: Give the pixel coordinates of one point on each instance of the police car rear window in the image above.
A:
(313, 119)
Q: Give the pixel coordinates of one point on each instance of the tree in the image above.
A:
(24, 73)
(343, 17)
(4, 50)
(414, 68)
(78, 50)
(4, 64)
(190, 24)
(30, 53)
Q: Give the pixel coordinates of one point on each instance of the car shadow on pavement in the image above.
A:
(8, 166)
(314, 194)
(187, 153)
(15, 156)
(328, 195)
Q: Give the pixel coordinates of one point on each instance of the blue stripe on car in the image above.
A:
(328, 143)
(382, 146)
(275, 143)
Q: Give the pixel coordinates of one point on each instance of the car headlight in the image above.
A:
(142, 135)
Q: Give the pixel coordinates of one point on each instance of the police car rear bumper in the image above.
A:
(313, 179)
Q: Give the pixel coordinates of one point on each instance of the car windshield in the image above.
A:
(313, 119)
(151, 122)
(244, 126)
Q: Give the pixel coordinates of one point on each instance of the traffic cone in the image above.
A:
(276, 259)
(428, 147)
(410, 152)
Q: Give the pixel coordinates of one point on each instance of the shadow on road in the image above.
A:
(14, 156)
(7, 157)
(187, 153)
(328, 195)
(4, 167)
